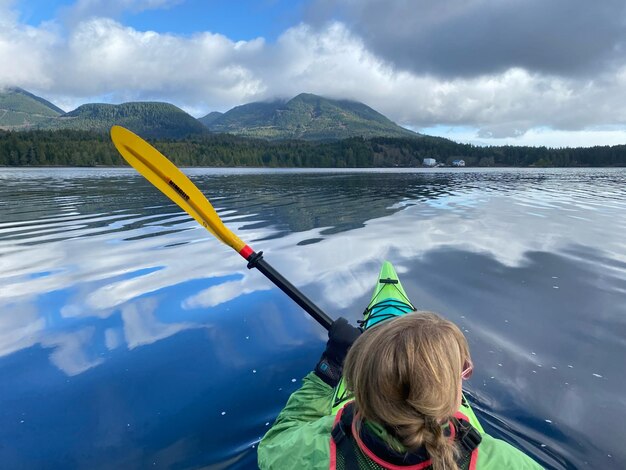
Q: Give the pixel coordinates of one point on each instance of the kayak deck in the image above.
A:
(388, 300)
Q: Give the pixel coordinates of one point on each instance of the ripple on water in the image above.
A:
(109, 291)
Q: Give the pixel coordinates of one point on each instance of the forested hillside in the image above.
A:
(20, 109)
(305, 117)
(83, 148)
(150, 119)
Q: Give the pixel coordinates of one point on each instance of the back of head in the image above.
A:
(406, 375)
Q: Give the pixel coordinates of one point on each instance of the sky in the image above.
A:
(487, 72)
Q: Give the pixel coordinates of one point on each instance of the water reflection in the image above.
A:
(542, 353)
(108, 291)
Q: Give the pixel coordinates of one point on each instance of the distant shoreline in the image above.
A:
(460, 169)
(68, 148)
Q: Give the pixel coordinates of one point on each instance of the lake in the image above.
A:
(131, 338)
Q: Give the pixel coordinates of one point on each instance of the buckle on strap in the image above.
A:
(343, 428)
(467, 437)
(338, 433)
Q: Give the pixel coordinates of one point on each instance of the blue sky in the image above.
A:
(524, 72)
(239, 20)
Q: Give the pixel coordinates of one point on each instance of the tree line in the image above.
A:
(84, 148)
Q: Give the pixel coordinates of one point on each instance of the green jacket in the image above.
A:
(300, 436)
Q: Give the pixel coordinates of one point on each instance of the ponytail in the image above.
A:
(442, 450)
(406, 375)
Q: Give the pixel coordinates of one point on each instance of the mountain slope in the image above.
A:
(148, 119)
(307, 117)
(209, 118)
(20, 109)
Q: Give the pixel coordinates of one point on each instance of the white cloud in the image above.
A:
(112, 338)
(71, 353)
(141, 327)
(20, 327)
(102, 56)
(25, 52)
(226, 292)
(534, 137)
(100, 59)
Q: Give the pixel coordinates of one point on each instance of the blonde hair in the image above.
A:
(405, 374)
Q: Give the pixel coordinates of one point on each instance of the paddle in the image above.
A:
(162, 173)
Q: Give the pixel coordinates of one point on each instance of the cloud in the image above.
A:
(534, 137)
(450, 65)
(99, 59)
(102, 56)
(24, 51)
(141, 326)
(93, 272)
(225, 292)
(71, 353)
(20, 327)
(482, 37)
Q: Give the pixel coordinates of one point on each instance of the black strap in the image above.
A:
(341, 433)
(467, 437)
(343, 428)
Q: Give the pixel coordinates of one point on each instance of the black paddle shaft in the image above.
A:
(255, 260)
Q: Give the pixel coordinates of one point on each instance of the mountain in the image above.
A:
(149, 119)
(21, 110)
(307, 117)
(210, 118)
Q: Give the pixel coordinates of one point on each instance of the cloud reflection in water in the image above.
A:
(531, 264)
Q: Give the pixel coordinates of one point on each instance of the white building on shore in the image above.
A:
(429, 162)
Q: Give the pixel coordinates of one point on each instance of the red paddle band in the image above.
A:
(246, 251)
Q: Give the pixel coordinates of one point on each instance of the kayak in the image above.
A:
(389, 300)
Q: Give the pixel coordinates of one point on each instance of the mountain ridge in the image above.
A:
(306, 117)
(20, 109)
(151, 119)
(209, 118)
(303, 117)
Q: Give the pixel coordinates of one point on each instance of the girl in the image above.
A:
(406, 376)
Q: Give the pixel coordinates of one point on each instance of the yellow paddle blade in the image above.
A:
(162, 173)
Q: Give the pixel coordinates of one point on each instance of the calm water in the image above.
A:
(131, 338)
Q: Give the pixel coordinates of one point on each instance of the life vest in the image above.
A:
(349, 451)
